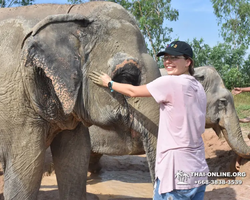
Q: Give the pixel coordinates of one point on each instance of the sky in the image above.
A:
(196, 20)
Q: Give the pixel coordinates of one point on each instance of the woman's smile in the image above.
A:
(170, 67)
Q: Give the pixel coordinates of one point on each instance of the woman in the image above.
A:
(181, 167)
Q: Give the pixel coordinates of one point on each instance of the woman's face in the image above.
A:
(176, 65)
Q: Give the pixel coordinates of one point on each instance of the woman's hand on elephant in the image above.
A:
(236, 91)
(100, 78)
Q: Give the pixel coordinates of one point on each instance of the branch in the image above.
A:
(157, 10)
(11, 3)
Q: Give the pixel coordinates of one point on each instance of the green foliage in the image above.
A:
(201, 52)
(233, 77)
(11, 3)
(234, 18)
(246, 67)
(228, 61)
(229, 58)
(225, 54)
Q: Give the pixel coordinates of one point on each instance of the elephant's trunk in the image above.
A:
(233, 135)
(147, 125)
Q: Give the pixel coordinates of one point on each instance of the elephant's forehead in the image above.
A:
(113, 23)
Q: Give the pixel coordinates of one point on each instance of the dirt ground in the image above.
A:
(127, 177)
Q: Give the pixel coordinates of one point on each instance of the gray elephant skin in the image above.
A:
(221, 112)
(47, 99)
(221, 116)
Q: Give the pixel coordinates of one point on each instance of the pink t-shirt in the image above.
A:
(180, 155)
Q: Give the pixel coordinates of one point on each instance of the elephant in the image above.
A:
(221, 116)
(221, 113)
(47, 99)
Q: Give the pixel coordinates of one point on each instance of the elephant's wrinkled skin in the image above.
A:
(221, 116)
(221, 113)
(47, 99)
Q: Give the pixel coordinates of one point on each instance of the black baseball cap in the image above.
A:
(177, 48)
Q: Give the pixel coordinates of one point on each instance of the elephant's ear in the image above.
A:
(199, 75)
(66, 85)
(64, 70)
(52, 82)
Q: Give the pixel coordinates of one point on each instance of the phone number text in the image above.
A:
(219, 182)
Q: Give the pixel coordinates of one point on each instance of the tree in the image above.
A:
(151, 16)
(233, 77)
(246, 68)
(234, 18)
(201, 52)
(10, 3)
(229, 62)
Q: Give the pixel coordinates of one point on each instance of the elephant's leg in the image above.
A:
(94, 164)
(23, 166)
(70, 152)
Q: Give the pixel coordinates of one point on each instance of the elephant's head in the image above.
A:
(61, 50)
(221, 113)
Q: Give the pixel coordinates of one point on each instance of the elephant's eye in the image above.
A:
(129, 73)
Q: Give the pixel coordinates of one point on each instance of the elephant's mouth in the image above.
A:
(215, 125)
(218, 130)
